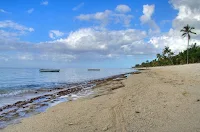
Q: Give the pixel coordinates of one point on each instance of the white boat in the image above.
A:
(49, 70)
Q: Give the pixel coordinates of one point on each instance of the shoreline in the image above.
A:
(13, 113)
(158, 99)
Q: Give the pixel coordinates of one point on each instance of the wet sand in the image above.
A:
(158, 99)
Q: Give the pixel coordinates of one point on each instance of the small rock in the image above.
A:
(41, 105)
(137, 112)
(198, 100)
(70, 124)
(24, 107)
(105, 128)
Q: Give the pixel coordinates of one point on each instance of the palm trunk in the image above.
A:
(187, 50)
(171, 60)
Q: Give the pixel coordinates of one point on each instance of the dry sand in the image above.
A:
(162, 99)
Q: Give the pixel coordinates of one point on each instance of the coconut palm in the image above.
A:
(159, 56)
(187, 30)
(167, 53)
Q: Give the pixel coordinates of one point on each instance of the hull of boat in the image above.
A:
(49, 70)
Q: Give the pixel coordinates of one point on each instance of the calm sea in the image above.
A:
(15, 83)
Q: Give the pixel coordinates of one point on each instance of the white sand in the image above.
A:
(162, 99)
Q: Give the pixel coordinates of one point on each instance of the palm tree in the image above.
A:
(167, 53)
(187, 30)
(158, 56)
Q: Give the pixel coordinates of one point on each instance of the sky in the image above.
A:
(92, 34)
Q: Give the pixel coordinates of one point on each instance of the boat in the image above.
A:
(49, 70)
(93, 69)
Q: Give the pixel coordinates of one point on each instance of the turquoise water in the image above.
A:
(17, 84)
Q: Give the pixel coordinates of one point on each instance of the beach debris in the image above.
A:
(198, 100)
(70, 124)
(106, 128)
(185, 93)
(70, 97)
(137, 112)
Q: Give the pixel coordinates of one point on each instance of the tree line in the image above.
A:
(190, 55)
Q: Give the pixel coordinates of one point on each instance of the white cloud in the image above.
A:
(78, 7)
(106, 17)
(8, 34)
(123, 8)
(57, 57)
(99, 41)
(146, 18)
(148, 11)
(15, 26)
(4, 58)
(30, 10)
(192, 4)
(45, 3)
(103, 17)
(92, 43)
(25, 56)
(3, 11)
(172, 39)
(53, 34)
(188, 13)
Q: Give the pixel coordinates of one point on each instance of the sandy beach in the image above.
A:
(158, 99)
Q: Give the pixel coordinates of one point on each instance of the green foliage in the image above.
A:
(168, 58)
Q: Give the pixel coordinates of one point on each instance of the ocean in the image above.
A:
(15, 83)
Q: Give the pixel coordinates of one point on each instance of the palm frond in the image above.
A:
(182, 30)
(184, 34)
(192, 32)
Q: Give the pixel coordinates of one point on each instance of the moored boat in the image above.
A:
(49, 70)
(93, 69)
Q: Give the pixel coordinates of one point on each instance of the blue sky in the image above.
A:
(85, 33)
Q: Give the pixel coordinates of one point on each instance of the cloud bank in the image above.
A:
(99, 42)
